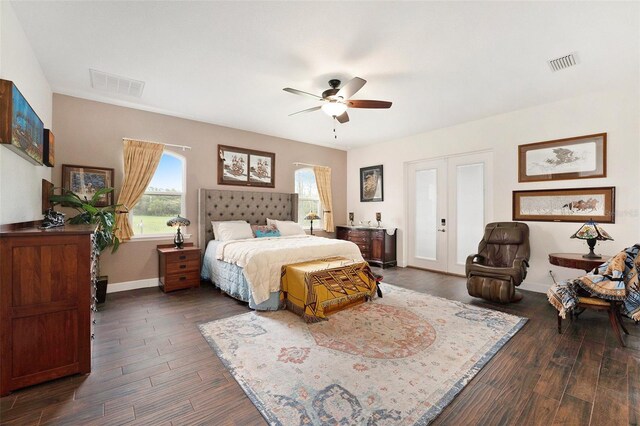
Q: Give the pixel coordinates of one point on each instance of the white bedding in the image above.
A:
(263, 258)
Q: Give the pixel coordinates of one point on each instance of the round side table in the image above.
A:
(576, 261)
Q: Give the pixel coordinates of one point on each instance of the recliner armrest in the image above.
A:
(521, 264)
(471, 260)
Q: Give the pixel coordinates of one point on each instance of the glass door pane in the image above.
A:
(426, 217)
(470, 199)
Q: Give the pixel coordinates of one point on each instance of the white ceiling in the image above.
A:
(440, 63)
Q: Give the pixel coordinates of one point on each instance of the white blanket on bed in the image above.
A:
(262, 258)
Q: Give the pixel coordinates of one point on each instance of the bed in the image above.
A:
(262, 257)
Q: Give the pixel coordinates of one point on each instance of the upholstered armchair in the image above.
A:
(501, 262)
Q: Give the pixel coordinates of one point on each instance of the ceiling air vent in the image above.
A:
(563, 62)
(116, 84)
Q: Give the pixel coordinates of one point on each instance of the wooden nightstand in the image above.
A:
(178, 268)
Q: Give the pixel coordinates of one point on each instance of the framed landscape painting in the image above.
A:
(84, 181)
(371, 184)
(571, 158)
(565, 205)
(245, 167)
(21, 129)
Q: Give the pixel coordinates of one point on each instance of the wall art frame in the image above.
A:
(21, 130)
(581, 157)
(48, 155)
(246, 167)
(84, 181)
(565, 205)
(372, 184)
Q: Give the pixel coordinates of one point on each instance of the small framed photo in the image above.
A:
(571, 158)
(84, 181)
(565, 205)
(371, 184)
(245, 167)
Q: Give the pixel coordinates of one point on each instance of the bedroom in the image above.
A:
(480, 90)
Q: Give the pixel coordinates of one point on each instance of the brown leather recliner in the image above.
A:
(501, 262)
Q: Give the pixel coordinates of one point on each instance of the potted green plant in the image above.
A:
(88, 213)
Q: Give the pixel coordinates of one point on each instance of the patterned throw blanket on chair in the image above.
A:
(616, 280)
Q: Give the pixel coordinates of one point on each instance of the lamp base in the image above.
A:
(591, 255)
(178, 240)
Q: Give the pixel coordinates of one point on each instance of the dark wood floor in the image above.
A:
(152, 367)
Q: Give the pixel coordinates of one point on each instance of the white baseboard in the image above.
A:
(132, 285)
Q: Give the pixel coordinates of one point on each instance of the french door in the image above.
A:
(449, 200)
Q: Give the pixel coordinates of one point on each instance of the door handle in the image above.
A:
(441, 230)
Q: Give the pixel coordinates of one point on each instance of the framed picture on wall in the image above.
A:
(246, 167)
(371, 184)
(21, 130)
(565, 205)
(571, 158)
(84, 181)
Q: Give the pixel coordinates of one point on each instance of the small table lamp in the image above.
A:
(312, 216)
(178, 221)
(591, 232)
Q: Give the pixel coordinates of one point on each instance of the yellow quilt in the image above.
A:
(310, 288)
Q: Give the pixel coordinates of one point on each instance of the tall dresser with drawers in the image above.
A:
(47, 302)
(377, 245)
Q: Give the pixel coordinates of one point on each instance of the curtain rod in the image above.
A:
(159, 143)
(307, 164)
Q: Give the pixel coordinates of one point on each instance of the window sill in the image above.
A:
(156, 237)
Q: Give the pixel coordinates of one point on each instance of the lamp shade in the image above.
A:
(591, 231)
(334, 109)
(312, 216)
(178, 221)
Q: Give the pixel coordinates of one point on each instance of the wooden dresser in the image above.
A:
(178, 268)
(46, 304)
(377, 245)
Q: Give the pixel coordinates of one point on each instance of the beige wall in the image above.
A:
(20, 180)
(616, 113)
(90, 133)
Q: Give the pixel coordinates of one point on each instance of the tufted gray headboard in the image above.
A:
(254, 207)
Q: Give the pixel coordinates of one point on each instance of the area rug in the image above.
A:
(396, 360)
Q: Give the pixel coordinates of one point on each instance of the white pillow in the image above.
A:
(289, 228)
(271, 221)
(215, 224)
(228, 231)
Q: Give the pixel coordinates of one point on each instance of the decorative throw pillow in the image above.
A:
(261, 231)
(216, 223)
(287, 228)
(228, 231)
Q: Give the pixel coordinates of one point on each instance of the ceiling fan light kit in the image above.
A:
(337, 100)
(334, 109)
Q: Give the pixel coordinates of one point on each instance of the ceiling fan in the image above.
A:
(336, 101)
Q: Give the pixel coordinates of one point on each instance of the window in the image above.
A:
(163, 199)
(308, 198)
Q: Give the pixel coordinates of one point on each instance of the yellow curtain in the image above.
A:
(140, 162)
(323, 181)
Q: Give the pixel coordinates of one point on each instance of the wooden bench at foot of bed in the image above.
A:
(316, 288)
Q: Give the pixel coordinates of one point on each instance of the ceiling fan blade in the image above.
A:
(368, 104)
(352, 86)
(306, 110)
(300, 92)
(343, 118)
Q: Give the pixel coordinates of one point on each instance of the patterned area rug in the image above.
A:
(397, 360)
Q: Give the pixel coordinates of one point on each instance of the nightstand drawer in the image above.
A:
(179, 281)
(181, 256)
(183, 266)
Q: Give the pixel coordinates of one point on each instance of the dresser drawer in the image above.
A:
(181, 256)
(183, 266)
(179, 281)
